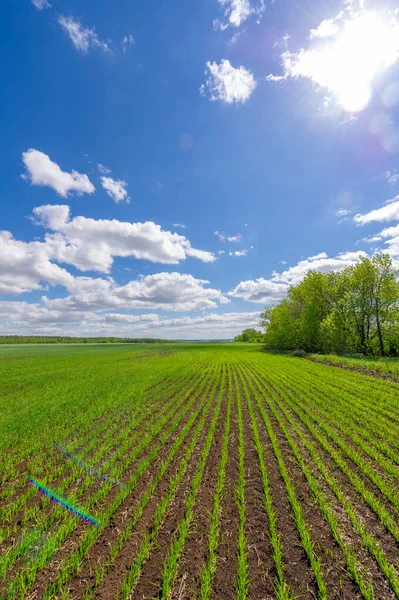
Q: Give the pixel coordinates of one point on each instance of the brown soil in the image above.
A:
(367, 516)
(226, 566)
(188, 579)
(151, 574)
(390, 547)
(48, 574)
(297, 570)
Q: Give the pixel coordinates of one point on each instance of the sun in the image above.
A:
(363, 49)
(348, 61)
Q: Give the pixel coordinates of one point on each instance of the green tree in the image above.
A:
(355, 309)
(249, 335)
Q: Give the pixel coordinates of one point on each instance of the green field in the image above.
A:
(215, 471)
(380, 365)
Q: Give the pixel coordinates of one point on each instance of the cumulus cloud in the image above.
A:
(319, 262)
(46, 319)
(327, 28)
(164, 291)
(259, 290)
(390, 238)
(91, 244)
(41, 170)
(236, 12)
(388, 212)
(88, 245)
(26, 266)
(272, 290)
(116, 189)
(81, 37)
(41, 4)
(227, 83)
(238, 253)
(346, 54)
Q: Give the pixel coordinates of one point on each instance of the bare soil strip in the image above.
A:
(226, 565)
(188, 580)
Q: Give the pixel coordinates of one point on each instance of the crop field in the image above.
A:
(209, 471)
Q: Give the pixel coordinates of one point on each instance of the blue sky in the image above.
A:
(268, 130)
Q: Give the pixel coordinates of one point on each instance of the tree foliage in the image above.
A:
(352, 310)
(249, 335)
(53, 339)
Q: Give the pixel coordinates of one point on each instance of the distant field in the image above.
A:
(215, 471)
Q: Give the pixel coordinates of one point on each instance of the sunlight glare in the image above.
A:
(348, 63)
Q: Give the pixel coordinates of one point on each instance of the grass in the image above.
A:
(139, 429)
(381, 365)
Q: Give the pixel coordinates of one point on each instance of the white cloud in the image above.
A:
(225, 238)
(235, 37)
(163, 291)
(203, 255)
(343, 212)
(319, 262)
(227, 83)
(390, 236)
(82, 38)
(327, 28)
(41, 170)
(220, 235)
(103, 169)
(42, 318)
(41, 4)
(389, 212)
(389, 232)
(361, 45)
(179, 225)
(127, 42)
(239, 253)
(259, 290)
(128, 318)
(116, 189)
(91, 244)
(392, 177)
(272, 290)
(26, 266)
(236, 12)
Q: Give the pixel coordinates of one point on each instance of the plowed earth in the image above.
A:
(162, 450)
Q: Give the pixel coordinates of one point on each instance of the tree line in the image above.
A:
(354, 310)
(250, 335)
(46, 339)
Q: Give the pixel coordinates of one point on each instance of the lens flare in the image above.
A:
(83, 465)
(63, 502)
